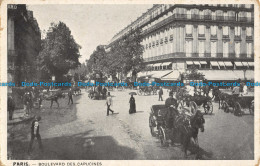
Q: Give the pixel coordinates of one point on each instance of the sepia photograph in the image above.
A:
(130, 81)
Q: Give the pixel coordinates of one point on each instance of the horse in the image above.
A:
(188, 128)
(55, 98)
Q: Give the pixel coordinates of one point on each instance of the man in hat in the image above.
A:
(109, 103)
(35, 133)
(172, 105)
(160, 94)
(10, 107)
(70, 93)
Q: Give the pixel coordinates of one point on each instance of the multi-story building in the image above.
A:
(217, 39)
(23, 44)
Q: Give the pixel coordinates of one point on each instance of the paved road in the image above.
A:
(83, 131)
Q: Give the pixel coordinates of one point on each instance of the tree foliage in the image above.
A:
(125, 55)
(60, 52)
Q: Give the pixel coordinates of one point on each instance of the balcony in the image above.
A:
(200, 18)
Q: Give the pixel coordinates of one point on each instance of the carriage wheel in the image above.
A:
(162, 136)
(208, 108)
(152, 125)
(180, 104)
(251, 107)
(238, 109)
(225, 107)
(193, 107)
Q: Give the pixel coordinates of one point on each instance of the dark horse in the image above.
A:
(55, 98)
(189, 130)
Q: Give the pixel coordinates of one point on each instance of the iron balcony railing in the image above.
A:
(196, 17)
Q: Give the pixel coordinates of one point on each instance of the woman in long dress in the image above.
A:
(132, 105)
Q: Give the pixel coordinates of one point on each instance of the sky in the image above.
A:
(90, 25)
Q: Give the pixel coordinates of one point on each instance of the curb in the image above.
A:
(19, 122)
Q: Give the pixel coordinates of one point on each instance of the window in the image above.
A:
(188, 29)
(225, 30)
(213, 49)
(225, 49)
(213, 15)
(237, 49)
(188, 14)
(248, 31)
(249, 50)
(188, 48)
(201, 49)
(201, 29)
(213, 30)
(225, 15)
(237, 31)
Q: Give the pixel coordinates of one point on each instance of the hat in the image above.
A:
(38, 118)
(171, 94)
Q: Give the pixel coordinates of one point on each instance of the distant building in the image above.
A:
(217, 39)
(23, 43)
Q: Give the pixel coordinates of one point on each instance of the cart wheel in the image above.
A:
(152, 126)
(139, 92)
(251, 107)
(162, 136)
(208, 108)
(180, 104)
(193, 107)
(237, 109)
(226, 107)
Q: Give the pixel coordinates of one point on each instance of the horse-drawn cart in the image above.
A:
(195, 101)
(238, 103)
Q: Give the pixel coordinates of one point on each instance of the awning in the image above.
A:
(228, 64)
(214, 63)
(150, 65)
(238, 64)
(221, 63)
(239, 74)
(203, 62)
(196, 62)
(217, 75)
(189, 62)
(250, 63)
(250, 74)
(245, 64)
(144, 74)
(173, 76)
(166, 63)
(157, 64)
(160, 74)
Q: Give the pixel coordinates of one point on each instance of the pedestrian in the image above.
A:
(160, 94)
(70, 96)
(40, 98)
(104, 92)
(236, 91)
(109, 103)
(35, 132)
(245, 92)
(10, 107)
(132, 105)
(26, 103)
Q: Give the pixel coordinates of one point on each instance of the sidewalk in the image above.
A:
(18, 117)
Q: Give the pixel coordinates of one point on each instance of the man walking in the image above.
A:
(160, 94)
(109, 103)
(10, 107)
(70, 96)
(35, 133)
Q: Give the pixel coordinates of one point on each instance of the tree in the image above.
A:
(60, 52)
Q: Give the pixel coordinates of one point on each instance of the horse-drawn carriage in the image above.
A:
(183, 128)
(147, 90)
(195, 101)
(237, 103)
